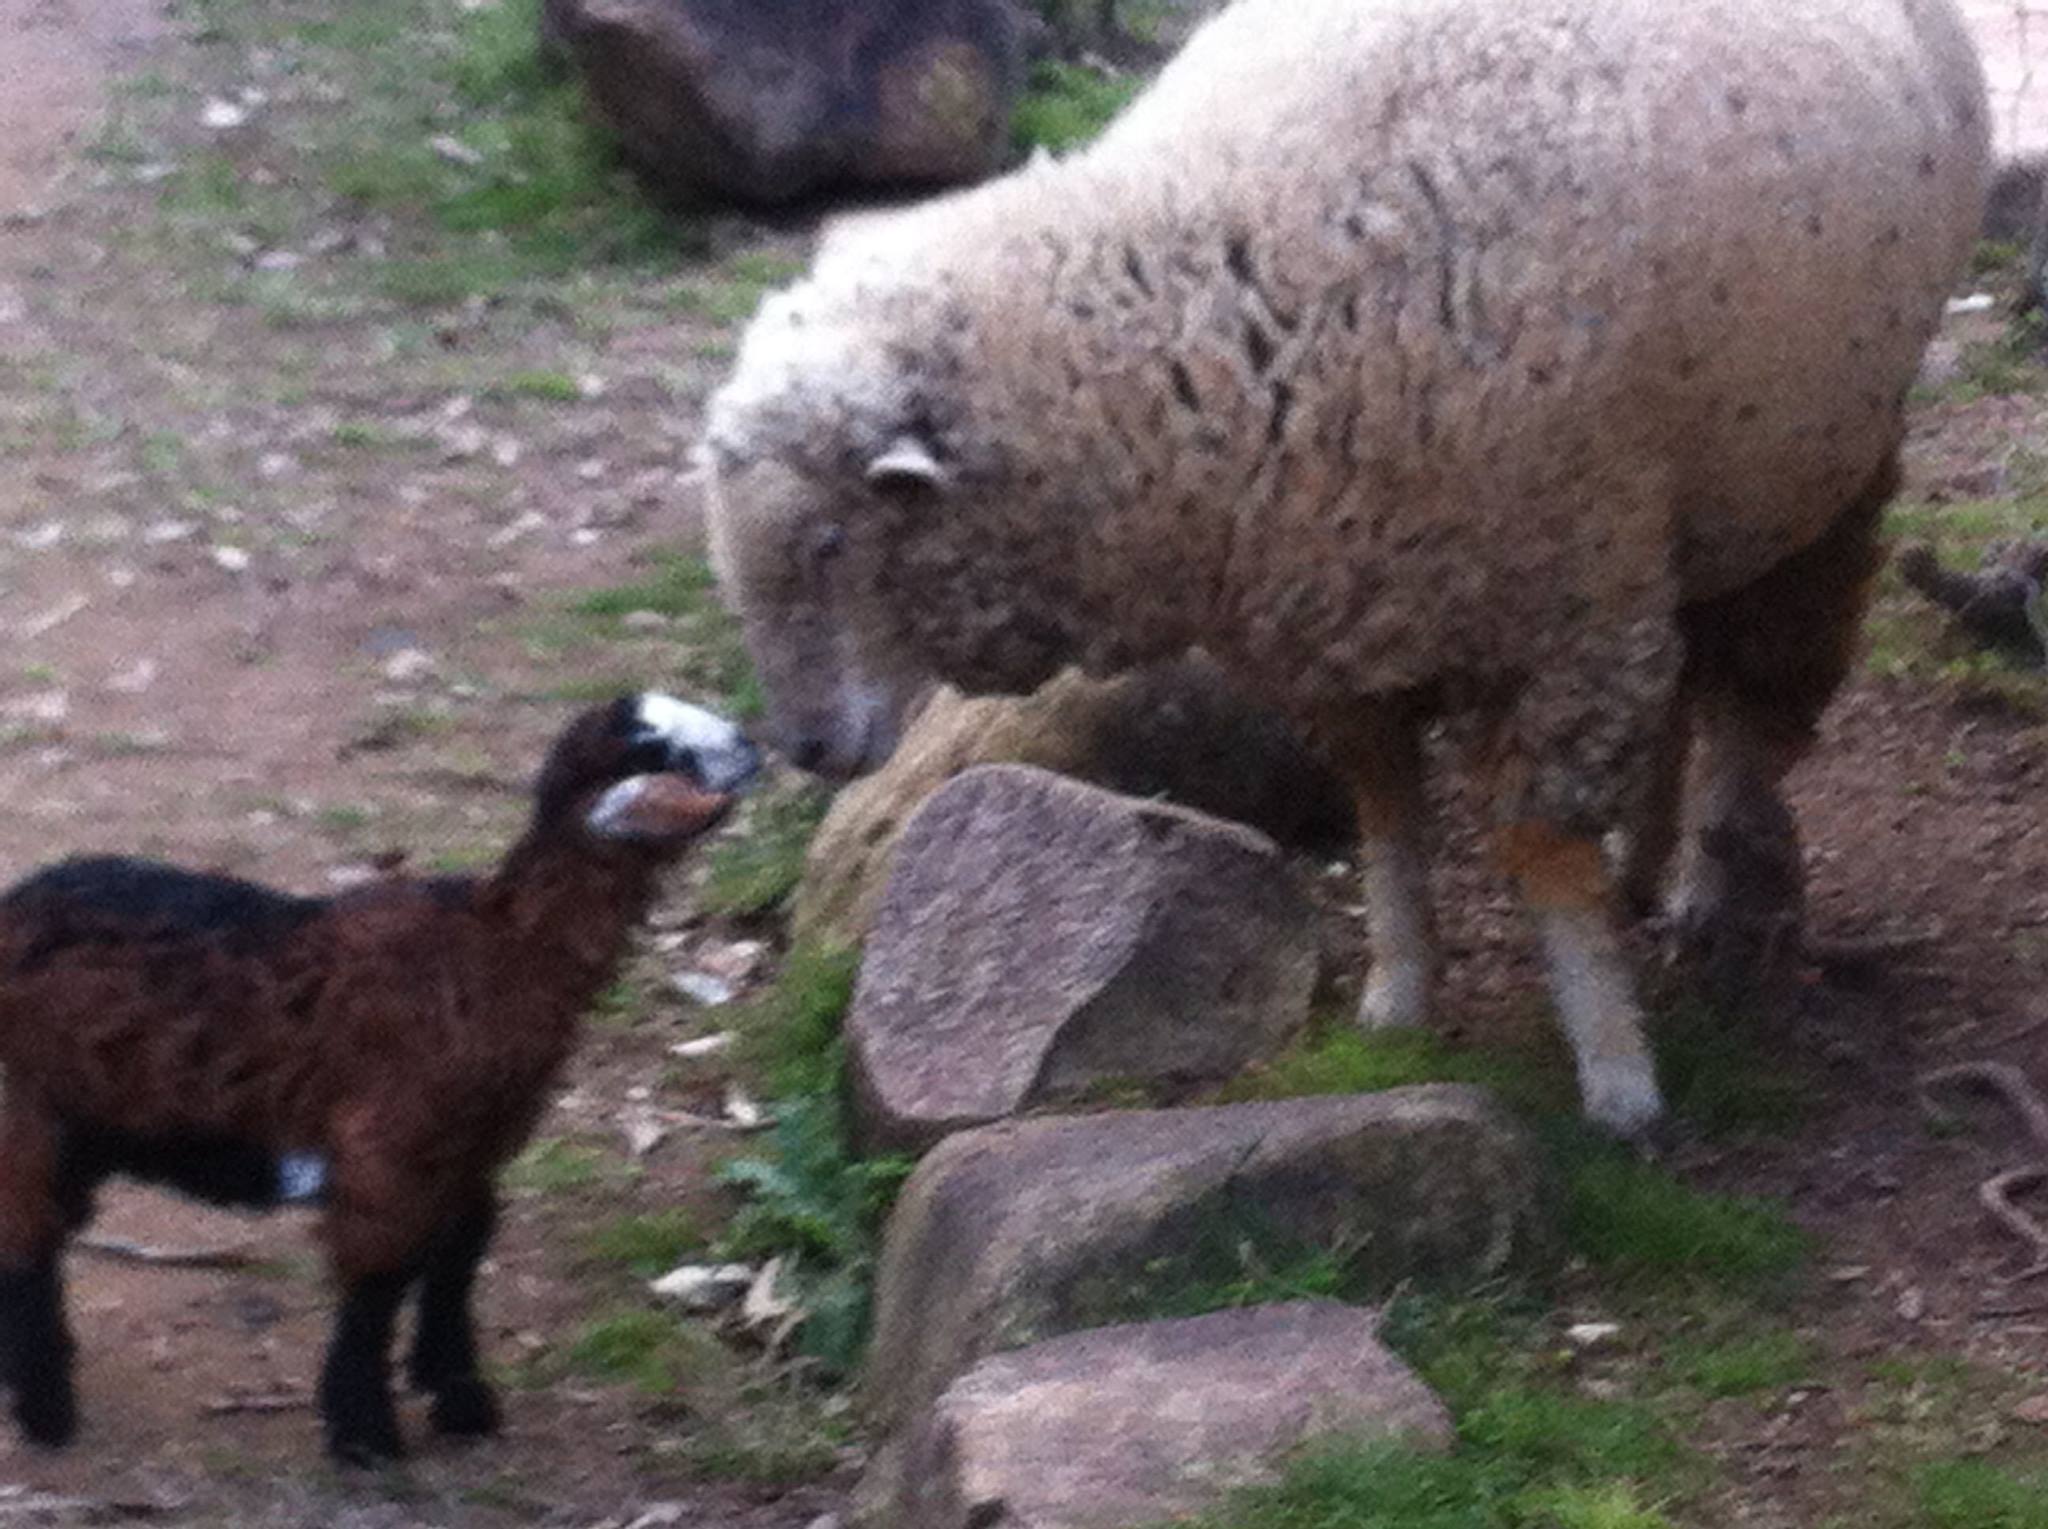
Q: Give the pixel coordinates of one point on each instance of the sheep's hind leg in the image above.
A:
(35, 1343)
(444, 1360)
(1763, 663)
(1380, 752)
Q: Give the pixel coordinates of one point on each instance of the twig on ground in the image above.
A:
(279, 1401)
(123, 1249)
(1995, 1193)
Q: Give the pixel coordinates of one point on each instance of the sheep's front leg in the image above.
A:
(444, 1359)
(1383, 759)
(1564, 883)
(35, 1343)
(355, 1382)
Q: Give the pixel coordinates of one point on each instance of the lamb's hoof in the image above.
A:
(47, 1418)
(465, 1408)
(366, 1446)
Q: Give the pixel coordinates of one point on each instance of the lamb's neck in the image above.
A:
(577, 901)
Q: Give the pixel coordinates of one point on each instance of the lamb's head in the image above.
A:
(868, 536)
(647, 770)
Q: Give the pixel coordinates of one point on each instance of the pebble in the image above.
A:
(220, 115)
(1592, 1335)
(703, 988)
(233, 559)
(704, 1287)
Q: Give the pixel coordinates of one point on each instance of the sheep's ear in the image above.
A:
(654, 807)
(906, 467)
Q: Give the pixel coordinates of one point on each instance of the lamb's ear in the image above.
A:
(655, 807)
(906, 468)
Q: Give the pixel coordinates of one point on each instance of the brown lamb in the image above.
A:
(381, 1052)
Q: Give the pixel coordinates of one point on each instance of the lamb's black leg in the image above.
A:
(444, 1344)
(35, 1351)
(355, 1383)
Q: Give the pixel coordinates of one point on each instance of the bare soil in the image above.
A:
(220, 535)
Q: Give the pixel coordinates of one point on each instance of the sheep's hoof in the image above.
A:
(465, 1408)
(48, 1418)
(1623, 1101)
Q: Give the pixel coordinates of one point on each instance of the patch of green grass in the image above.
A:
(755, 871)
(1721, 1074)
(619, 1007)
(649, 1244)
(1974, 1494)
(649, 1350)
(764, 1441)
(811, 1195)
(1634, 1221)
(1743, 1365)
(553, 1166)
(789, 1036)
(1065, 105)
(1335, 1057)
(705, 655)
(549, 387)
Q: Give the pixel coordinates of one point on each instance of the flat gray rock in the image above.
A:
(1039, 938)
(1177, 730)
(1140, 1423)
(1019, 1232)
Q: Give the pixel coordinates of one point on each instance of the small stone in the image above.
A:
(407, 665)
(506, 451)
(741, 1112)
(1976, 302)
(48, 706)
(1592, 1335)
(455, 151)
(736, 962)
(704, 1287)
(233, 559)
(590, 469)
(703, 1046)
(1848, 1274)
(703, 988)
(1912, 1304)
(2034, 1410)
(134, 679)
(168, 530)
(276, 464)
(645, 621)
(279, 260)
(40, 538)
(221, 115)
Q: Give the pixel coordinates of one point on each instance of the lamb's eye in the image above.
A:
(831, 542)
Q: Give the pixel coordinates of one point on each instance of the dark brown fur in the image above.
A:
(406, 1032)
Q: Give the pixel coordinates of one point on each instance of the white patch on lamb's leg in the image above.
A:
(1595, 996)
(1399, 987)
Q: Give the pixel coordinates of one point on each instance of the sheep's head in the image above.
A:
(870, 538)
(646, 769)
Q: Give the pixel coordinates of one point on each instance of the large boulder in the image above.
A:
(1040, 939)
(1026, 1230)
(1175, 730)
(1143, 1423)
(767, 101)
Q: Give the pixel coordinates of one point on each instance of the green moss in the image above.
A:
(648, 1244)
(1974, 1494)
(1065, 105)
(755, 871)
(1743, 1365)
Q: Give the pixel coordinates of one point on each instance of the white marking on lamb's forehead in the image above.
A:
(687, 726)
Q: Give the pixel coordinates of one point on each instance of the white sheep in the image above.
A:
(1525, 364)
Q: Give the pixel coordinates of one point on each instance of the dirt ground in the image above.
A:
(209, 603)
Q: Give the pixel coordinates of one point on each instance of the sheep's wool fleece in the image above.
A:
(1384, 341)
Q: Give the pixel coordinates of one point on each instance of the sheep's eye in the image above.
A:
(831, 543)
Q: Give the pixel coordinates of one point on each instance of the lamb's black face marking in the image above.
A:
(664, 734)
